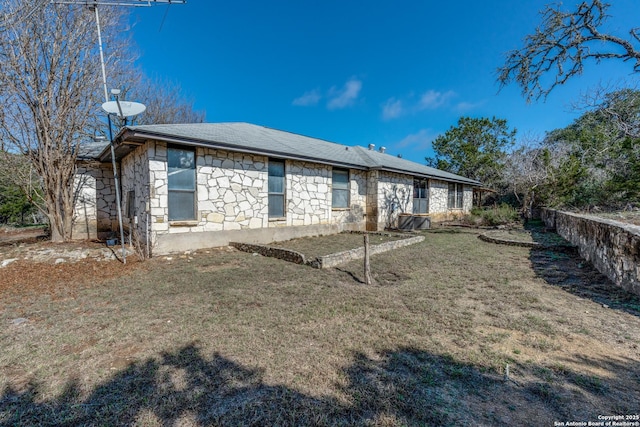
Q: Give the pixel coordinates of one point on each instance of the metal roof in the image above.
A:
(250, 138)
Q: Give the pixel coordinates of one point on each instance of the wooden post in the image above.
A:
(367, 267)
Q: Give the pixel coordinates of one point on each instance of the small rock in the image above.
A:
(255, 254)
(59, 261)
(605, 306)
(168, 258)
(7, 262)
(19, 321)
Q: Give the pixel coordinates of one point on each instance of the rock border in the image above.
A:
(325, 261)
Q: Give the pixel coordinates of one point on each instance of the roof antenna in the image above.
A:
(166, 12)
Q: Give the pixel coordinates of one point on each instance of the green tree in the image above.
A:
(560, 46)
(595, 161)
(476, 148)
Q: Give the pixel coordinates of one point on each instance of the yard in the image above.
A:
(222, 337)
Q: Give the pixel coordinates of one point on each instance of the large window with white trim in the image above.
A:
(456, 195)
(182, 183)
(340, 188)
(420, 196)
(276, 188)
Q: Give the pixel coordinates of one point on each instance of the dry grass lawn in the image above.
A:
(227, 338)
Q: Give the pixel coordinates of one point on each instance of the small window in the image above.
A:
(276, 188)
(182, 184)
(340, 188)
(420, 196)
(456, 195)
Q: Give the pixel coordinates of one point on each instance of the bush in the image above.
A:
(496, 215)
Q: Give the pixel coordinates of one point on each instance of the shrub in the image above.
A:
(495, 215)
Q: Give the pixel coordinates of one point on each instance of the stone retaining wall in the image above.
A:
(270, 251)
(326, 261)
(611, 246)
(338, 258)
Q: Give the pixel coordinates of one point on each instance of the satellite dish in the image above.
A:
(128, 108)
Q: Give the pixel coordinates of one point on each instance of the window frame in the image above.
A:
(455, 196)
(423, 184)
(193, 191)
(282, 194)
(346, 189)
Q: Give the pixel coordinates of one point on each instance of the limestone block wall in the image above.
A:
(158, 188)
(394, 196)
(353, 218)
(611, 246)
(467, 201)
(232, 191)
(135, 177)
(308, 194)
(372, 201)
(439, 201)
(438, 196)
(95, 212)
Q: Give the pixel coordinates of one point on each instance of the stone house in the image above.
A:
(189, 186)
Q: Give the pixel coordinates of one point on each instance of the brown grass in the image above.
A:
(227, 338)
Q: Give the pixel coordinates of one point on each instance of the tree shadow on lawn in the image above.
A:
(562, 266)
(403, 387)
(567, 270)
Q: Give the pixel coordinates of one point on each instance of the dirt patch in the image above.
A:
(11, 236)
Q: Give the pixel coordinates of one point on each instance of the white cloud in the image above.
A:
(308, 99)
(431, 99)
(463, 107)
(418, 141)
(345, 97)
(392, 109)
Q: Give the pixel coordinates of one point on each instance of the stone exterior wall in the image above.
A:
(439, 201)
(372, 201)
(232, 196)
(135, 178)
(353, 218)
(308, 196)
(232, 193)
(438, 197)
(95, 214)
(395, 196)
(611, 246)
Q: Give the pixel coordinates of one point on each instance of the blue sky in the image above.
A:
(395, 74)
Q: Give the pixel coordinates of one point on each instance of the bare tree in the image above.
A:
(562, 44)
(166, 103)
(50, 92)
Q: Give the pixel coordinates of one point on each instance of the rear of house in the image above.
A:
(191, 186)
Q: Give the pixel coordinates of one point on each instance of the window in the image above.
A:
(276, 188)
(182, 184)
(420, 196)
(456, 194)
(340, 188)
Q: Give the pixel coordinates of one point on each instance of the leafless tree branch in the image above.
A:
(561, 45)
